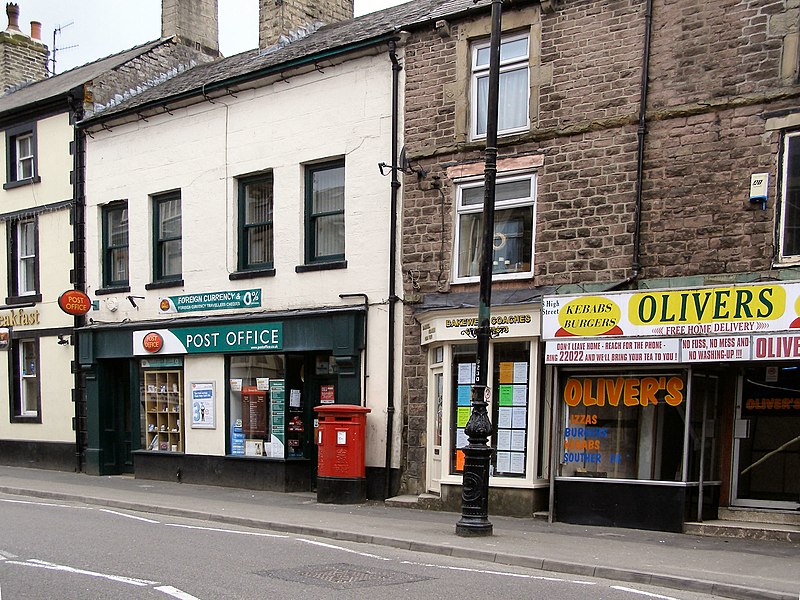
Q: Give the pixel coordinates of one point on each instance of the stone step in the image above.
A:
(745, 530)
(423, 501)
(779, 517)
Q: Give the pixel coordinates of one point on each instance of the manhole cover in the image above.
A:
(343, 576)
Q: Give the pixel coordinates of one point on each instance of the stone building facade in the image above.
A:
(646, 124)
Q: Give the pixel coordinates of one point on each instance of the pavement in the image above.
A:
(730, 568)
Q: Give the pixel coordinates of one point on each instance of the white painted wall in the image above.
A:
(344, 111)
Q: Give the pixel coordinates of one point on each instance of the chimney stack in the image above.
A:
(278, 18)
(12, 10)
(23, 58)
(194, 23)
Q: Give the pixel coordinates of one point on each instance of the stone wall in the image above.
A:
(716, 70)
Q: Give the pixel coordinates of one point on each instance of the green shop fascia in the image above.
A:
(111, 356)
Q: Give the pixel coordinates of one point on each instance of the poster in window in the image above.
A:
(254, 412)
(204, 400)
(4, 337)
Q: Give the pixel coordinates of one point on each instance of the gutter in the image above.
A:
(79, 261)
(393, 299)
(637, 211)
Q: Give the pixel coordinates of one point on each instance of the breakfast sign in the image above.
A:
(710, 324)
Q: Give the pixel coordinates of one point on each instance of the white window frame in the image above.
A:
(25, 261)
(23, 159)
(28, 381)
(783, 259)
(462, 209)
(531, 478)
(480, 71)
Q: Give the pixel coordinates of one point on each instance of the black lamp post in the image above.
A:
(477, 454)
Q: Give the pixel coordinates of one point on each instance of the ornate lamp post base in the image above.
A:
(474, 520)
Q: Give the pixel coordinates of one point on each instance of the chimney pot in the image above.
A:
(36, 30)
(12, 10)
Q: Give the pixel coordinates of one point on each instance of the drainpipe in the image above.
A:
(79, 261)
(396, 68)
(637, 212)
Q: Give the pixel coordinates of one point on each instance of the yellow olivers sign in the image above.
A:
(707, 306)
(730, 310)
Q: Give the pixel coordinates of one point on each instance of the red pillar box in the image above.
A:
(341, 449)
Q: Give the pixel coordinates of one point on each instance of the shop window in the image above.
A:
(23, 261)
(790, 199)
(513, 229)
(623, 426)
(325, 223)
(508, 409)
(25, 393)
(167, 238)
(255, 223)
(513, 97)
(21, 156)
(115, 244)
(162, 399)
(462, 377)
(257, 407)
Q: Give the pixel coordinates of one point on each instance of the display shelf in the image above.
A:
(163, 404)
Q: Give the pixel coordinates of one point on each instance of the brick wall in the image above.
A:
(22, 60)
(195, 23)
(286, 16)
(716, 68)
(145, 70)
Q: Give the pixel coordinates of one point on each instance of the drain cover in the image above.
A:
(342, 576)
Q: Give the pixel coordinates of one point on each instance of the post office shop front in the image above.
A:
(672, 404)
(224, 403)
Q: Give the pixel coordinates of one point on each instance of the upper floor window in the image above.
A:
(790, 201)
(325, 212)
(255, 223)
(21, 157)
(25, 396)
(514, 92)
(115, 244)
(513, 229)
(23, 263)
(167, 240)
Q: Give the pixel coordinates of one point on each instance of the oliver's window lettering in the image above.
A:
(624, 427)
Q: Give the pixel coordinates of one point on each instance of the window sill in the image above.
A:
(326, 266)
(10, 185)
(30, 300)
(157, 285)
(112, 290)
(19, 419)
(252, 273)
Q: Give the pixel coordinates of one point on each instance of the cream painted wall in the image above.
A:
(344, 111)
(53, 136)
(56, 381)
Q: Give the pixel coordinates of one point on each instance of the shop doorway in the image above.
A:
(767, 438)
(435, 406)
(118, 414)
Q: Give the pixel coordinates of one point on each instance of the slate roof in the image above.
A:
(52, 87)
(327, 39)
